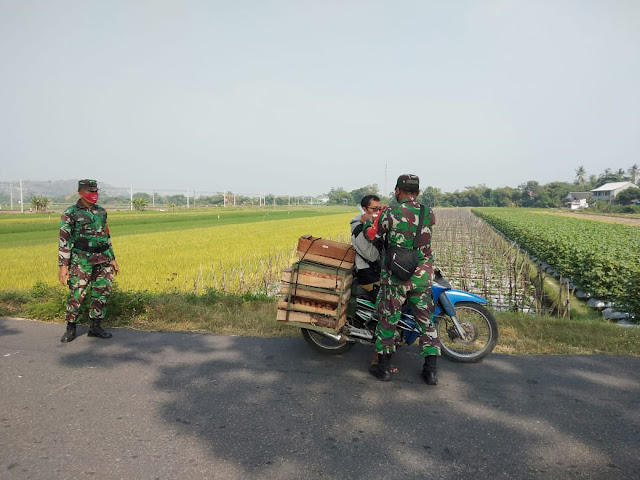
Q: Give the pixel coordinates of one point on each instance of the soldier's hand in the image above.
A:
(63, 275)
(116, 268)
(365, 216)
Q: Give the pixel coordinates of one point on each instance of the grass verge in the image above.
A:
(254, 315)
(521, 334)
(212, 311)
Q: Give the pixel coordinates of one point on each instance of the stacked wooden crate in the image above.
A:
(316, 289)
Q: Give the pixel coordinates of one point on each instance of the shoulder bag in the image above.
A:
(402, 262)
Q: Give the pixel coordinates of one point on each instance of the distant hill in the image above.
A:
(49, 188)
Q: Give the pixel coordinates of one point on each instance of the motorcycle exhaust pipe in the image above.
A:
(360, 333)
(354, 334)
(336, 338)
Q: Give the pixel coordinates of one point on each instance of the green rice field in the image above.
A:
(229, 249)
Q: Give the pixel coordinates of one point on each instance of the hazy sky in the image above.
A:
(296, 97)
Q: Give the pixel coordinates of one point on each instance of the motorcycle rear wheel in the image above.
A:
(324, 344)
(481, 329)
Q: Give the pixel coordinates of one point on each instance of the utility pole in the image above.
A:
(11, 194)
(187, 198)
(385, 179)
(21, 202)
(194, 199)
(131, 196)
(234, 199)
(153, 199)
(224, 199)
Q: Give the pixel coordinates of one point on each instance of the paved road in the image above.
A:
(180, 405)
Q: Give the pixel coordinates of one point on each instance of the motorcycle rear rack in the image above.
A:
(310, 326)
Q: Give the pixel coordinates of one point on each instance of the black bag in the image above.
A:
(402, 262)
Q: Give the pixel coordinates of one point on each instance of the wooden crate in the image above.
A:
(326, 252)
(315, 296)
(312, 321)
(336, 280)
(299, 304)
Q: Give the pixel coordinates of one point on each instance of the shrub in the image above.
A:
(46, 302)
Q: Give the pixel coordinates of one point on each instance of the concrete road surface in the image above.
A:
(183, 405)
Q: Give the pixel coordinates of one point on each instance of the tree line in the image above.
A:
(143, 200)
(528, 194)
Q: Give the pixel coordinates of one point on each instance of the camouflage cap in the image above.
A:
(408, 182)
(87, 184)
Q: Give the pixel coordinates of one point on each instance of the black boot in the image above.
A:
(382, 369)
(70, 334)
(96, 330)
(430, 370)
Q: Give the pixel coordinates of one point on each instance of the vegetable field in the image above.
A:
(600, 258)
(473, 257)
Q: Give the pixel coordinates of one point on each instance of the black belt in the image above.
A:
(88, 249)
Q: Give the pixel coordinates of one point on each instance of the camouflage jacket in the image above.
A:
(84, 235)
(396, 226)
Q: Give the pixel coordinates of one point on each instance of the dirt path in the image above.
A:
(601, 218)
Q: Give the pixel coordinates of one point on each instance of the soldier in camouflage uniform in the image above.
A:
(396, 226)
(86, 259)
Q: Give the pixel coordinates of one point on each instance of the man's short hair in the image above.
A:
(410, 189)
(366, 200)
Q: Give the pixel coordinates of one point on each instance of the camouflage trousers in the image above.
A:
(81, 277)
(391, 300)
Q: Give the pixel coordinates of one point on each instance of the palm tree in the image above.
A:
(581, 173)
(39, 203)
(140, 203)
(633, 172)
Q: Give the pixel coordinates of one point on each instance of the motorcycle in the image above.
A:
(468, 332)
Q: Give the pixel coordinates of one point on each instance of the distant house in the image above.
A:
(608, 191)
(577, 200)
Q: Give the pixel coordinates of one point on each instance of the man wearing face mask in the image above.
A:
(407, 275)
(86, 259)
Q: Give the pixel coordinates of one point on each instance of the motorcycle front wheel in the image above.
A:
(325, 344)
(481, 331)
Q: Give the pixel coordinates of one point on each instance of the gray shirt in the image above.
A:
(366, 251)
